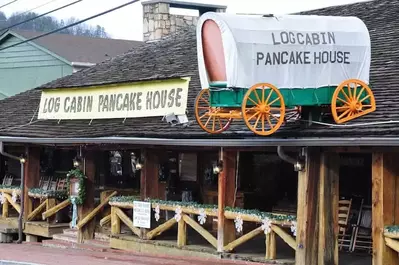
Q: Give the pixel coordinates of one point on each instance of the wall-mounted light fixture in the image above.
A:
(218, 167)
(77, 161)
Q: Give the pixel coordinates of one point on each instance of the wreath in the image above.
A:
(77, 173)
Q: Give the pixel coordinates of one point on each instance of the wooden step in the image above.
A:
(101, 236)
(71, 232)
(65, 237)
(69, 245)
(97, 243)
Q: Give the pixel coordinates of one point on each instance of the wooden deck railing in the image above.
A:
(8, 194)
(275, 227)
(391, 235)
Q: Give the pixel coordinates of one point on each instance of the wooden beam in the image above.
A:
(394, 244)
(50, 203)
(115, 222)
(55, 209)
(32, 175)
(181, 233)
(105, 220)
(160, 229)
(87, 231)
(205, 234)
(328, 209)
(384, 182)
(96, 210)
(127, 221)
(221, 205)
(271, 246)
(307, 218)
(230, 170)
(5, 209)
(37, 211)
(16, 206)
(241, 240)
(284, 236)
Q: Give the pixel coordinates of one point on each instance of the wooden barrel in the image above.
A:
(212, 46)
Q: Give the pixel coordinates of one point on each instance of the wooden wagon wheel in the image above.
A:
(352, 99)
(263, 109)
(206, 115)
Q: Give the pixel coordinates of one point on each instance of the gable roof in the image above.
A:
(79, 48)
(175, 56)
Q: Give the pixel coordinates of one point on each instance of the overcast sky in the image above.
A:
(126, 23)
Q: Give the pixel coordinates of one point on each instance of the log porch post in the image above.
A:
(307, 217)
(385, 201)
(229, 169)
(149, 175)
(328, 209)
(221, 204)
(87, 232)
(32, 175)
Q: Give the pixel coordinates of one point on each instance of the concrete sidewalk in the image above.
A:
(36, 254)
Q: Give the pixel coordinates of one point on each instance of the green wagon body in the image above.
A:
(232, 98)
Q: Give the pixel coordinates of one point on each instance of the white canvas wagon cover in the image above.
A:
(289, 51)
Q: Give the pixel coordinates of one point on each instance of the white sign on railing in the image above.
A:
(142, 214)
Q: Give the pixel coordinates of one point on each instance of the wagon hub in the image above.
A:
(355, 106)
(263, 108)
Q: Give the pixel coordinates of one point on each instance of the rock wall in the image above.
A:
(158, 22)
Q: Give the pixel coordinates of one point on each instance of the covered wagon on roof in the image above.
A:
(257, 68)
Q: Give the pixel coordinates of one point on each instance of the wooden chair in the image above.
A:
(8, 180)
(362, 236)
(344, 239)
(62, 184)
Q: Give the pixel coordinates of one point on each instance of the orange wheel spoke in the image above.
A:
(256, 113)
(263, 94)
(268, 96)
(203, 107)
(213, 123)
(344, 113)
(220, 123)
(204, 115)
(345, 95)
(340, 99)
(253, 101)
(273, 101)
(367, 106)
(257, 96)
(354, 92)
(360, 94)
(256, 123)
(263, 123)
(366, 97)
(270, 122)
(343, 107)
(206, 101)
(350, 90)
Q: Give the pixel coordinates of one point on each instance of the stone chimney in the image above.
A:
(158, 22)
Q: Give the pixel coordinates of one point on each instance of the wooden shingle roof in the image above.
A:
(176, 57)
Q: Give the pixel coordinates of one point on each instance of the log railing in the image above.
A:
(183, 219)
(391, 236)
(10, 198)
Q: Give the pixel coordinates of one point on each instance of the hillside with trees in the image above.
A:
(49, 23)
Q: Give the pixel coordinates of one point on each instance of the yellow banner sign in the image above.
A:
(144, 99)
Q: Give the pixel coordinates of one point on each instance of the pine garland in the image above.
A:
(56, 194)
(392, 229)
(77, 173)
(256, 213)
(9, 187)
